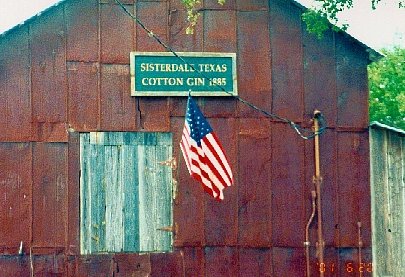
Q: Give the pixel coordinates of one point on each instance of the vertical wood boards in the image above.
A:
(126, 192)
(73, 201)
(388, 201)
(130, 207)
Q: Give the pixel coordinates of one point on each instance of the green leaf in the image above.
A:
(316, 22)
(387, 89)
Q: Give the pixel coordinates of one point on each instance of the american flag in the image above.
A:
(203, 153)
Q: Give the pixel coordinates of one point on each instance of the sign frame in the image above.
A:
(198, 55)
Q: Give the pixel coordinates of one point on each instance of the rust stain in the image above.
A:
(68, 72)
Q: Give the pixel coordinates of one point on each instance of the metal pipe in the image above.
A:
(318, 182)
(360, 246)
(307, 242)
(31, 263)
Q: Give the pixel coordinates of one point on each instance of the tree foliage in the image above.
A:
(386, 77)
(325, 16)
(318, 20)
(387, 89)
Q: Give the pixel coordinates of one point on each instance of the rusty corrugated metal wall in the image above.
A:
(67, 71)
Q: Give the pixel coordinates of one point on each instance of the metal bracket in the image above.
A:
(171, 228)
(170, 162)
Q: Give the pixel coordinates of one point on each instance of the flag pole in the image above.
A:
(318, 182)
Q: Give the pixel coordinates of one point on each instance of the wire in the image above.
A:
(298, 129)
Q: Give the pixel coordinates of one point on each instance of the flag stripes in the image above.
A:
(205, 159)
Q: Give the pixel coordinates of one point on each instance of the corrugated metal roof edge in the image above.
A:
(376, 124)
(5, 33)
(374, 55)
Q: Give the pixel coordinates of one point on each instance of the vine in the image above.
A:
(192, 8)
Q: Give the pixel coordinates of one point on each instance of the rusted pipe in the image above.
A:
(307, 242)
(318, 182)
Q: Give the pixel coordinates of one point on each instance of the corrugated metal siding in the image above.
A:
(254, 74)
(352, 84)
(353, 189)
(15, 86)
(117, 113)
(321, 91)
(48, 71)
(254, 207)
(49, 189)
(16, 195)
(67, 72)
(330, 197)
(387, 149)
(287, 60)
(287, 186)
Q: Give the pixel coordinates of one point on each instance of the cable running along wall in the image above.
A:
(304, 133)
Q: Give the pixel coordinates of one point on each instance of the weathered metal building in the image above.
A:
(64, 77)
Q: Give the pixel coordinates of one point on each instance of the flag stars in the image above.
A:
(197, 123)
(213, 171)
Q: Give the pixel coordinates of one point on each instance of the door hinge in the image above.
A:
(170, 162)
(171, 228)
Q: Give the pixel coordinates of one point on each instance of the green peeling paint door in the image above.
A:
(125, 192)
